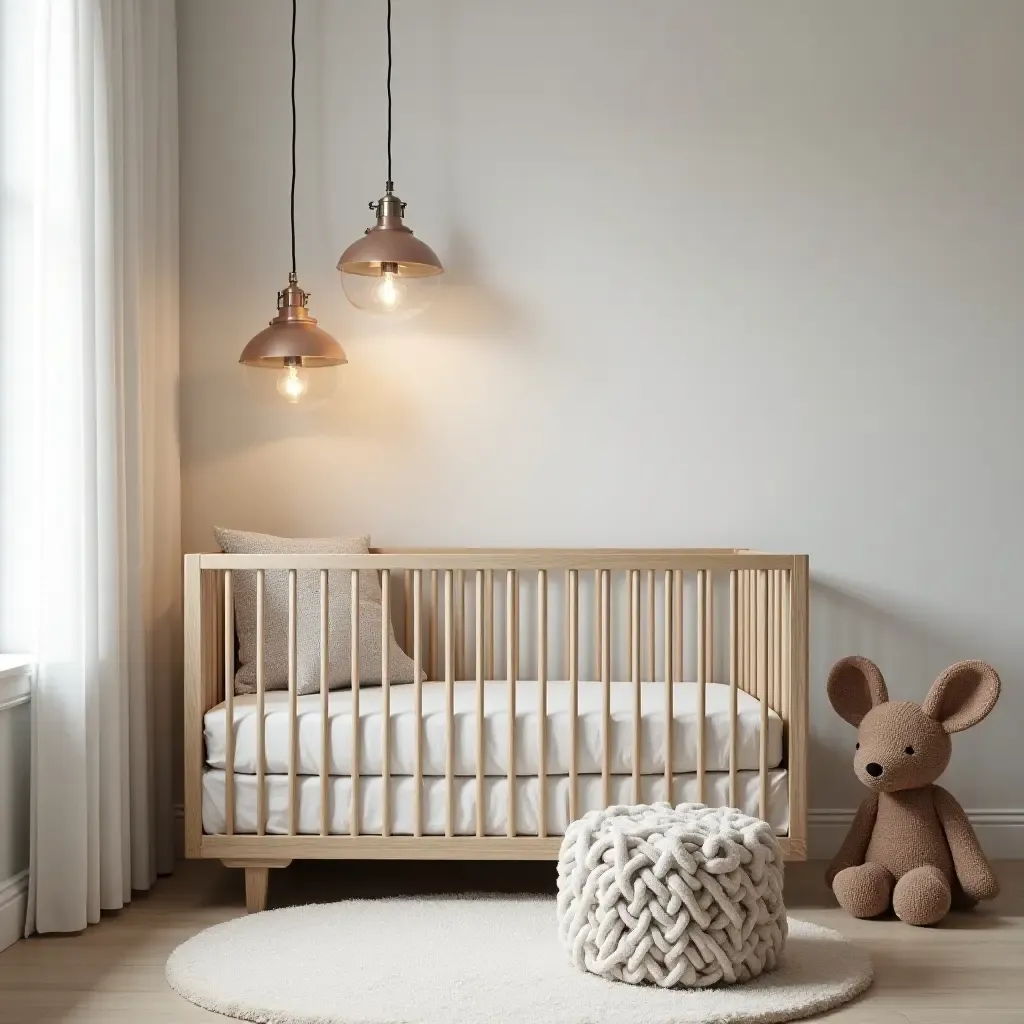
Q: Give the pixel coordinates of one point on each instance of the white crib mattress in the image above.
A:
(590, 739)
(716, 793)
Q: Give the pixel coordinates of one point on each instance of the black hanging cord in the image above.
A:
(294, 15)
(391, 184)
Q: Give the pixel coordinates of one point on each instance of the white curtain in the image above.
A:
(89, 469)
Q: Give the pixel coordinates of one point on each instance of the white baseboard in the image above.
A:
(13, 901)
(1000, 831)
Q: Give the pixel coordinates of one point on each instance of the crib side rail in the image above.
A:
(204, 675)
(461, 616)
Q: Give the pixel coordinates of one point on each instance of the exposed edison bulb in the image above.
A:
(292, 383)
(389, 291)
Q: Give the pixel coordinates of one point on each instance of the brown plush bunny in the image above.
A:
(910, 846)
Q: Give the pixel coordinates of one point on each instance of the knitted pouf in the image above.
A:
(688, 896)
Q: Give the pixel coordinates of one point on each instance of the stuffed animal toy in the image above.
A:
(910, 846)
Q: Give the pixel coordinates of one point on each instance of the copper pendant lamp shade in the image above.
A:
(389, 270)
(293, 342)
(293, 337)
(389, 241)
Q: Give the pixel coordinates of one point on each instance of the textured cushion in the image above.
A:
(307, 592)
(690, 896)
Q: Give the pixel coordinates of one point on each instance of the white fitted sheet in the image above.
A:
(591, 744)
(716, 793)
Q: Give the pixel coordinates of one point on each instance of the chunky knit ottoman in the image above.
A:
(688, 896)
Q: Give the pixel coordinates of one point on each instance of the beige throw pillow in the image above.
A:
(307, 593)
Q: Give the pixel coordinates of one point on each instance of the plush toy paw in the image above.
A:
(984, 887)
(864, 891)
(922, 896)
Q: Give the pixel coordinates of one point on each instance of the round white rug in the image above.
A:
(455, 960)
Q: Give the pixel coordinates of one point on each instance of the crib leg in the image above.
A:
(257, 881)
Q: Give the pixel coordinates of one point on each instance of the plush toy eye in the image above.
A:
(909, 750)
(857, 747)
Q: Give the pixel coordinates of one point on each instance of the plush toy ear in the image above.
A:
(963, 695)
(855, 686)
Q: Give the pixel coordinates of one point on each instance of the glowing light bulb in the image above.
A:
(389, 291)
(292, 383)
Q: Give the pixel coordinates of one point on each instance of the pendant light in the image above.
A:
(293, 344)
(389, 270)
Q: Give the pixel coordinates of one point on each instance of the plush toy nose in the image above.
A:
(873, 768)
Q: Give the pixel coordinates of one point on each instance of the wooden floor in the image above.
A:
(968, 971)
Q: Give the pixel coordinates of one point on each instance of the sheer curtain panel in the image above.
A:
(89, 468)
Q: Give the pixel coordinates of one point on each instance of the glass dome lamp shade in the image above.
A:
(389, 270)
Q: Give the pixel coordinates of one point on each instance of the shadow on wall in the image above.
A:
(911, 655)
(465, 307)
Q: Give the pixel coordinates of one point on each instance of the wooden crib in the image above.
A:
(569, 666)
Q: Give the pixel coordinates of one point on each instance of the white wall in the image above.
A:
(719, 274)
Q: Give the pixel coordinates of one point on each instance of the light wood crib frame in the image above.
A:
(668, 600)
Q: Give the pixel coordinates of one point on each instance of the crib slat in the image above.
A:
(702, 663)
(385, 711)
(407, 607)
(510, 664)
(743, 629)
(325, 727)
(432, 670)
(680, 667)
(293, 708)
(417, 675)
(449, 702)
(752, 611)
(229, 701)
(628, 621)
(762, 689)
(745, 624)
(669, 685)
(777, 644)
(709, 640)
(261, 709)
(771, 639)
(784, 645)
(515, 609)
(460, 623)
(780, 638)
(598, 624)
(652, 635)
(568, 602)
(542, 702)
(787, 679)
(733, 680)
(355, 819)
(744, 617)
(479, 650)
(634, 604)
(489, 617)
(573, 584)
(606, 681)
